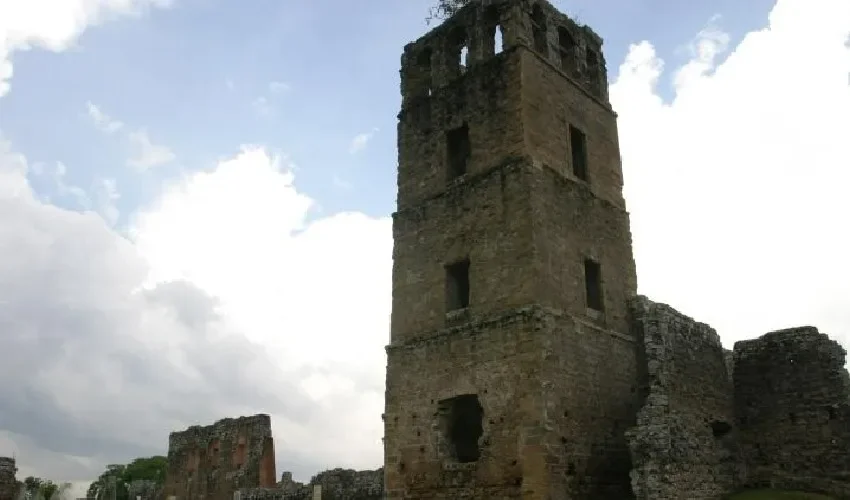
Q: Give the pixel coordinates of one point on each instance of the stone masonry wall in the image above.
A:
(144, 489)
(791, 401)
(212, 462)
(336, 484)
(467, 359)
(588, 381)
(8, 483)
(682, 445)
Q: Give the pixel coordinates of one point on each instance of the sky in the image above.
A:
(195, 201)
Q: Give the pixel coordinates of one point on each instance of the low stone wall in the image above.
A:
(347, 484)
(791, 401)
(682, 445)
(335, 484)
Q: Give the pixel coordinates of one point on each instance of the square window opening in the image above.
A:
(578, 149)
(457, 285)
(593, 284)
(457, 151)
(462, 425)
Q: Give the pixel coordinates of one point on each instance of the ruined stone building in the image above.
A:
(212, 462)
(521, 362)
(512, 370)
(9, 485)
(233, 459)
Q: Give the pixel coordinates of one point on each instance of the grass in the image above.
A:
(776, 495)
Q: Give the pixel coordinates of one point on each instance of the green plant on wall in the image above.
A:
(445, 9)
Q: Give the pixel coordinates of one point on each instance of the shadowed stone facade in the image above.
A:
(212, 462)
(9, 485)
(682, 446)
(792, 404)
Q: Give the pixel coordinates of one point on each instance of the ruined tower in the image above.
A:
(8, 483)
(511, 367)
(214, 461)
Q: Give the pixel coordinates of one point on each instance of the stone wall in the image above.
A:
(682, 446)
(335, 484)
(9, 485)
(347, 484)
(144, 489)
(791, 400)
(212, 462)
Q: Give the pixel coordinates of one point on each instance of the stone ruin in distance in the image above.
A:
(522, 363)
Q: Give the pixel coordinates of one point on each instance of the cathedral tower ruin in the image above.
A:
(512, 369)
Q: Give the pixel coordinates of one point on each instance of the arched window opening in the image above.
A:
(459, 50)
(592, 61)
(423, 70)
(567, 50)
(495, 32)
(538, 30)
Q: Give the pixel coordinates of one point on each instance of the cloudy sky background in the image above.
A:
(194, 202)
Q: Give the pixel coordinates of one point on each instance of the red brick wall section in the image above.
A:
(213, 461)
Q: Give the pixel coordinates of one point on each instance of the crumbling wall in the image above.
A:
(682, 444)
(9, 485)
(335, 484)
(214, 461)
(791, 401)
(144, 489)
(347, 484)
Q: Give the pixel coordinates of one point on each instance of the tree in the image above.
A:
(118, 476)
(445, 9)
(38, 488)
(151, 469)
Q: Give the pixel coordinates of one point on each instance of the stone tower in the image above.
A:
(512, 369)
(8, 483)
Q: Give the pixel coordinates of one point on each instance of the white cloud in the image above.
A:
(224, 300)
(55, 24)
(737, 187)
(279, 87)
(341, 183)
(101, 120)
(64, 189)
(146, 154)
(105, 198)
(361, 140)
(262, 106)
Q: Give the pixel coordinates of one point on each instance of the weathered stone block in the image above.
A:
(791, 401)
(683, 443)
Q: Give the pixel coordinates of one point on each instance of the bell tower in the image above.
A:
(511, 365)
